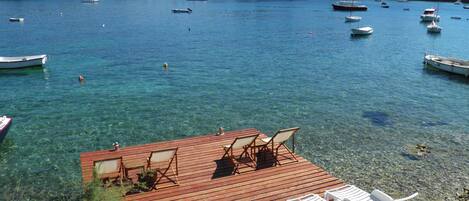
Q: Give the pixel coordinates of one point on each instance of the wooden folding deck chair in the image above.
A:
(109, 169)
(278, 140)
(245, 143)
(163, 157)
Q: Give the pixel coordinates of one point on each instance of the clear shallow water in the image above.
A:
(266, 64)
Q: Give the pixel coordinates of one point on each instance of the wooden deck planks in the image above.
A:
(203, 176)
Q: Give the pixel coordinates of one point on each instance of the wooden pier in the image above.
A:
(204, 176)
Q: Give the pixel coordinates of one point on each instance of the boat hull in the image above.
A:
(429, 18)
(349, 8)
(5, 123)
(22, 62)
(362, 31)
(352, 19)
(443, 64)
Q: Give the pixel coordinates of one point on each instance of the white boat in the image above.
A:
(16, 19)
(90, 1)
(458, 2)
(187, 10)
(433, 28)
(352, 18)
(5, 123)
(429, 15)
(360, 31)
(451, 65)
(22, 62)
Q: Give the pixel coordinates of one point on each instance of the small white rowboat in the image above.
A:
(5, 123)
(14, 19)
(361, 31)
(451, 65)
(22, 62)
(352, 18)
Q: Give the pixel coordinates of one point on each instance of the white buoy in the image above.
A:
(104, 25)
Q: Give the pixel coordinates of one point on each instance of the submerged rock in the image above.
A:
(464, 196)
(416, 152)
(377, 118)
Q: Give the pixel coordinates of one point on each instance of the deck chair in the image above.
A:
(309, 197)
(109, 169)
(278, 140)
(161, 162)
(353, 193)
(245, 143)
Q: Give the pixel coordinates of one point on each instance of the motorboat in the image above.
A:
(447, 64)
(384, 5)
(90, 1)
(456, 17)
(5, 123)
(22, 62)
(352, 18)
(349, 6)
(361, 31)
(466, 7)
(187, 10)
(458, 2)
(16, 19)
(429, 15)
(433, 28)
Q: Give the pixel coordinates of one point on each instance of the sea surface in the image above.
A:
(360, 102)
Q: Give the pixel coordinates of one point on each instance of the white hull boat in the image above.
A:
(16, 19)
(451, 65)
(429, 15)
(433, 28)
(353, 18)
(5, 123)
(22, 62)
(361, 31)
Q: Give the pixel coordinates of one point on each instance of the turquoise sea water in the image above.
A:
(262, 64)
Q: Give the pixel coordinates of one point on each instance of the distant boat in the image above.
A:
(16, 19)
(384, 5)
(429, 15)
(451, 65)
(433, 28)
(5, 123)
(402, 0)
(406, 9)
(466, 7)
(361, 31)
(458, 2)
(187, 10)
(352, 18)
(456, 17)
(90, 1)
(22, 62)
(349, 6)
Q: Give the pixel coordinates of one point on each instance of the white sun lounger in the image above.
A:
(309, 197)
(353, 193)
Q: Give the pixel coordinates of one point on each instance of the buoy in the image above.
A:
(165, 65)
(104, 25)
(81, 78)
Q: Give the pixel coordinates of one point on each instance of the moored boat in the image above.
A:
(22, 62)
(466, 7)
(429, 15)
(352, 18)
(5, 123)
(361, 31)
(16, 19)
(187, 10)
(451, 65)
(384, 5)
(433, 28)
(349, 6)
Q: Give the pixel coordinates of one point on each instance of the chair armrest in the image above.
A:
(408, 198)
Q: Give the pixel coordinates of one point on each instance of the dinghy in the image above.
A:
(352, 18)
(22, 62)
(188, 10)
(5, 123)
(16, 19)
(447, 64)
(362, 31)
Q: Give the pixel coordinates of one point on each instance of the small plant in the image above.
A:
(97, 191)
(144, 183)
